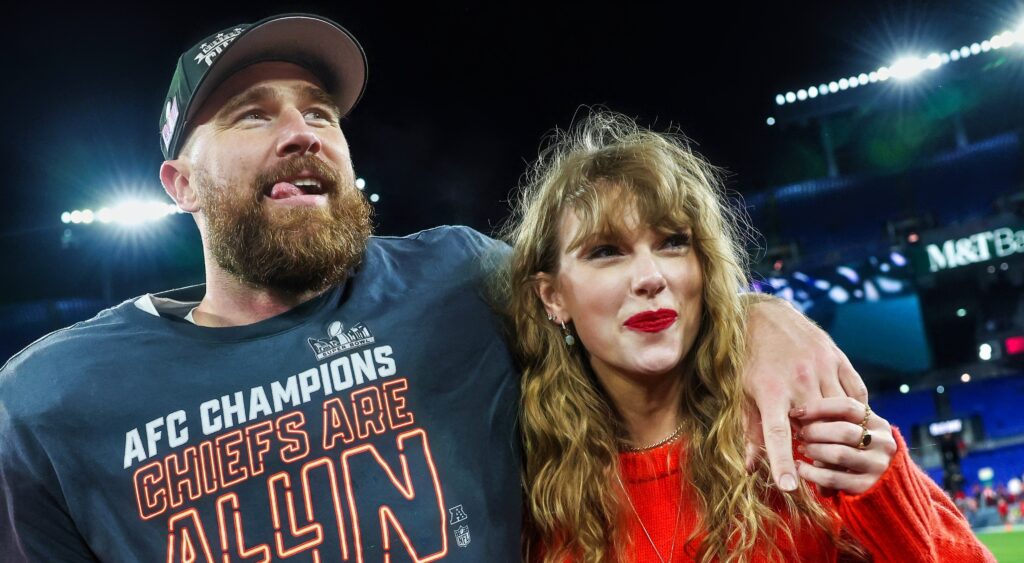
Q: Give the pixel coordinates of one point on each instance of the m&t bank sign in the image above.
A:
(974, 249)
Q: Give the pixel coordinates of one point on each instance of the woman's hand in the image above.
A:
(851, 445)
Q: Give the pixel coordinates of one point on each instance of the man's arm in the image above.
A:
(34, 520)
(789, 362)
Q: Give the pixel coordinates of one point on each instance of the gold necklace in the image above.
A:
(675, 529)
(662, 442)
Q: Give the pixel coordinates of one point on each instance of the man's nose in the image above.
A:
(297, 137)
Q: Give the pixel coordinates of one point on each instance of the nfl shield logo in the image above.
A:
(462, 536)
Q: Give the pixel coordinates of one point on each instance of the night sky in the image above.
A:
(458, 100)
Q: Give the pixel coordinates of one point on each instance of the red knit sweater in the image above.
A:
(903, 518)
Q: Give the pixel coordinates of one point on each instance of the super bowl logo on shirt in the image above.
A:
(339, 341)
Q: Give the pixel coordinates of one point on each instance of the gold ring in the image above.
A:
(865, 436)
(865, 439)
(867, 413)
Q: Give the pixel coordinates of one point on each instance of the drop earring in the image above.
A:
(569, 339)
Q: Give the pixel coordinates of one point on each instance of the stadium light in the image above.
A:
(838, 294)
(374, 198)
(360, 183)
(126, 213)
(848, 273)
(908, 67)
(985, 352)
(904, 389)
(966, 378)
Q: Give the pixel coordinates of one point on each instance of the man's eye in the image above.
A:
(252, 114)
(603, 251)
(320, 114)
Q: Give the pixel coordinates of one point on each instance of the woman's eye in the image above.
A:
(603, 251)
(677, 240)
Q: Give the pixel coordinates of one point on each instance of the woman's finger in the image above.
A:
(847, 457)
(840, 432)
(834, 408)
(851, 483)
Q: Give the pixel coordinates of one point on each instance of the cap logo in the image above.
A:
(171, 115)
(209, 51)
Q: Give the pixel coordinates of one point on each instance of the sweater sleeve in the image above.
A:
(906, 517)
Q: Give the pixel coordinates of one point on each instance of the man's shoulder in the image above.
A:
(446, 248)
(447, 258)
(446, 238)
(40, 362)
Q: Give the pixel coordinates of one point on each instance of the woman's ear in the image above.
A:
(547, 290)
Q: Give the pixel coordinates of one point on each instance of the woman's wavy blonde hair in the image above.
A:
(601, 168)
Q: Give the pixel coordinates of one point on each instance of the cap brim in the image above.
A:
(322, 46)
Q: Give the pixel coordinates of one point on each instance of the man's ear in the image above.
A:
(547, 290)
(175, 176)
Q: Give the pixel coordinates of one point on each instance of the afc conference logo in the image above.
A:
(457, 514)
(338, 341)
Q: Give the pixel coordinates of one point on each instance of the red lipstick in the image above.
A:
(651, 321)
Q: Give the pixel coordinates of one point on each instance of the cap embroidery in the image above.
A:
(171, 115)
(209, 51)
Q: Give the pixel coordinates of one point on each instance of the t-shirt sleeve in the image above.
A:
(35, 524)
(906, 517)
(470, 258)
(489, 254)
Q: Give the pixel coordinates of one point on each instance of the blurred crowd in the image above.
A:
(991, 504)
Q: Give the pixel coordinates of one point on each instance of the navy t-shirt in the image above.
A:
(373, 423)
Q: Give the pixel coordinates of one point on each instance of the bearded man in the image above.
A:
(325, 394)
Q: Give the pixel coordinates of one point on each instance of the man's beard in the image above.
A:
(289, 249)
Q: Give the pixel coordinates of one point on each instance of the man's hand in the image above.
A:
(790, 362)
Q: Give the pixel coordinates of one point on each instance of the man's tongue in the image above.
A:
(282, 190)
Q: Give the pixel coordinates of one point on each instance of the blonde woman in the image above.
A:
(625, 282)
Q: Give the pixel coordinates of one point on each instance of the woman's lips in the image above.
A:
(651, 321)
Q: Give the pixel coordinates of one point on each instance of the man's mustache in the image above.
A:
(328, 176)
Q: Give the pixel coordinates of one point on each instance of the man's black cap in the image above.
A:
(316, 43)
